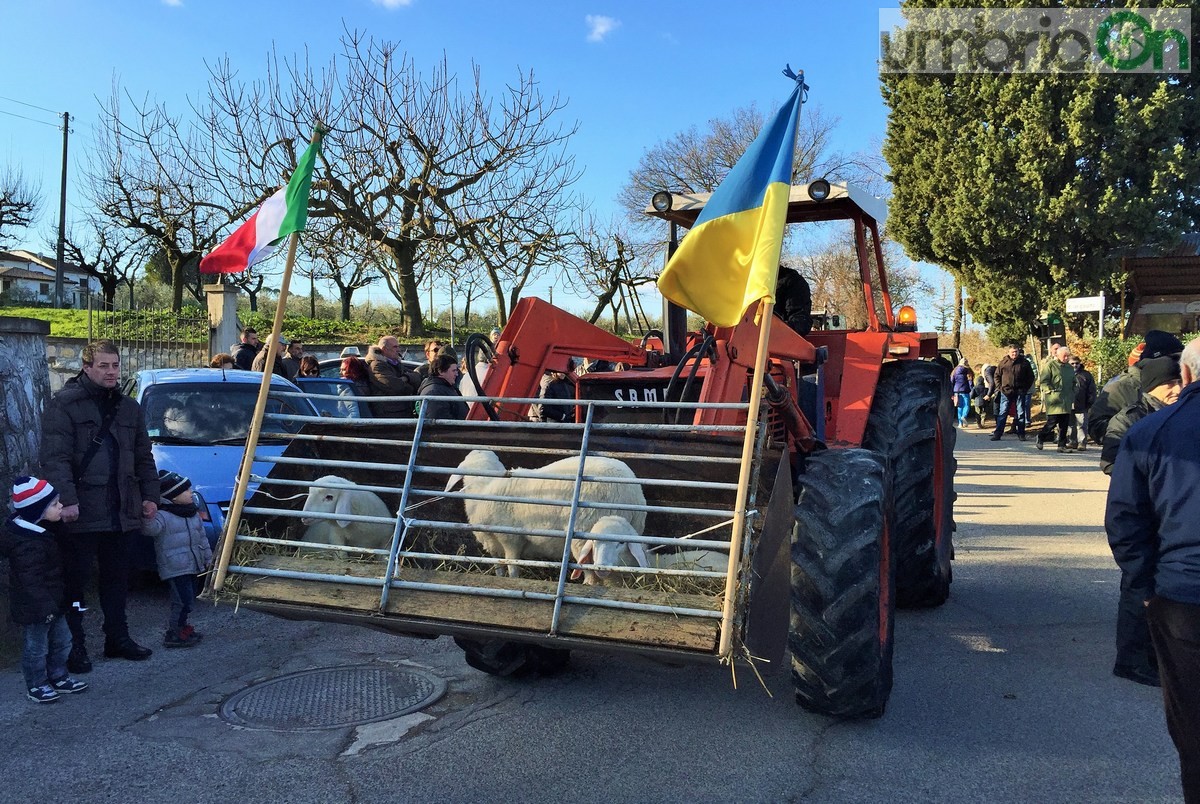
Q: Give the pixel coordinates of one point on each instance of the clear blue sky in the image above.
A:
(651, 70)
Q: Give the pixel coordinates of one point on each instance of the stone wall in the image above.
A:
(24, 389)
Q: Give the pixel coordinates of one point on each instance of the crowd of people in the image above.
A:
(1004, 392)
(1144, 420)
(383, 373)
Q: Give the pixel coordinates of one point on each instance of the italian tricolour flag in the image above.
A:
(279, 216)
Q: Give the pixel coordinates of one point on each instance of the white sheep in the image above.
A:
(534, 516)
(325, 498)
(617, 553)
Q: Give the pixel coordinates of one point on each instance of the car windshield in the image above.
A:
(211, 413)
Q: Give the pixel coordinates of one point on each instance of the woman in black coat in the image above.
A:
(444, 401)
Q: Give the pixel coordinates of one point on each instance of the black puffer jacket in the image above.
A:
(111, 488)
(444, 402)
(1120, 392)
(1119, 425)
(553, 386)
(793, 300)
(243, 356)
(35, 573)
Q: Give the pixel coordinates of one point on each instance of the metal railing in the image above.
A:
(153, 339)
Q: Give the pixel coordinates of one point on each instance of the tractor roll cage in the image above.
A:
(843, 202)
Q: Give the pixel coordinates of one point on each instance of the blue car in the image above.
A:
(347, 406)
(198, 420)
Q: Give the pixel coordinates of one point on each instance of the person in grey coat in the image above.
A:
(96, 452)
(182, 551)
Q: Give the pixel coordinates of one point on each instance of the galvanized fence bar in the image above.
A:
(465, 445)
(401, 522)
(564, 568)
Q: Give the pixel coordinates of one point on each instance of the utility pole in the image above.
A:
(62, 220)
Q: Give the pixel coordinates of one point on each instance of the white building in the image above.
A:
(28, 278)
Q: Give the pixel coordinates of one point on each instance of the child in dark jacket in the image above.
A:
(182, 551)
(38, 599)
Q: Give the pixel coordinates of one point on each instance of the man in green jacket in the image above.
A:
(1057, 382)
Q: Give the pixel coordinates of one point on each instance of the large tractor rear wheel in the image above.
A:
(840, 635)
(912, 422)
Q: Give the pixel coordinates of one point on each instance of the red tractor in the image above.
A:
(849, 499)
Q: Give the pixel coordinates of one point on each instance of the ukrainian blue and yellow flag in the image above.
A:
(730, 258)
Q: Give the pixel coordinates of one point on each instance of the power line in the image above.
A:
(30, 105)
(30, 119)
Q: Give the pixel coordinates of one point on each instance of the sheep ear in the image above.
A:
(344, 506)
(452, 482)
(585, 556)
(638, 550)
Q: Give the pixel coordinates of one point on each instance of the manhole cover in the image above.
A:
(332, 697)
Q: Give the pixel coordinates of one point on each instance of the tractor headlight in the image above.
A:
(661, 201)
(818, 190)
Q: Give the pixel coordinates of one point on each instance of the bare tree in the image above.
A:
(833, 273)
(412, 162)
(19, 202)
(340, 257)
(958, 311)
(608, 270)
(516, 248)
(698, 159)
(144, 174)
(943, 306)
(110, 255)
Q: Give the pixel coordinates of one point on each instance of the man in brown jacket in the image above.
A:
(1014, 378)
(389, 377)
(96, 453)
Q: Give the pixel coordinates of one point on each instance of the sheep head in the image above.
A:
(609, 553)
(323, 498)
(477, 460)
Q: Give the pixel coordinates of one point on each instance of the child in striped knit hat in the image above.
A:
(38, 599)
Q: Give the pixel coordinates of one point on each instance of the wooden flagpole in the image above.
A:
(238, 503)
(765, 310)
(233, 518)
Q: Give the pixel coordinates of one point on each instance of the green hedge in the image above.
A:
(1111, 355)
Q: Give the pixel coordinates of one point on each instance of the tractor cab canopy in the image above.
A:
(807, 203)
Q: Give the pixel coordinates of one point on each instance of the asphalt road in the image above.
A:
(1002, 694)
